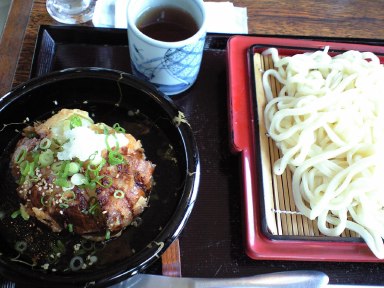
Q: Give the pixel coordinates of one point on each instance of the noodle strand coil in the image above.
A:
(328, 122)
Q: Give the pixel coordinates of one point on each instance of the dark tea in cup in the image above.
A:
(166, 23)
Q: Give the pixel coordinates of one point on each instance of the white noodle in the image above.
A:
(328, 122)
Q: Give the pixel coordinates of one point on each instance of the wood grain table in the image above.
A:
(326, 18)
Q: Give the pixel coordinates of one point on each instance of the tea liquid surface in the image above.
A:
(168, 24)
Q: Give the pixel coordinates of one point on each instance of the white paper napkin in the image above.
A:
(222, 17)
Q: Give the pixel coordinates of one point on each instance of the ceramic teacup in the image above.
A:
(171, 64)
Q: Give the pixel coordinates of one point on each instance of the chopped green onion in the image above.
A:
(73, 168)
(92, 156)
(75, 121)
(24, 213)
(89, 184)
(115, 157)
(106, 139)
(63, 205)
(15, 214)
(118, 128)
(20, 212)
(35, 156)
(63, 182)
(78, 179)
(119, 194)
(94, 206)
(70, 228)
(21, 156)
(46, 201)
(56, 145)
(76, 263)
(31, 169)
(109, 181)
(46, 158)
(22, 180)
(25, 168)
(21, 246)
(57, 166)
(107, 235)
(45, 144)
(68, 196)
(63, 173)
(96, 168)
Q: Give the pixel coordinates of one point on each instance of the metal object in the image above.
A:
(289, 279)
(6, 284)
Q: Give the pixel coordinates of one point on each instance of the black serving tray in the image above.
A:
(212, 242)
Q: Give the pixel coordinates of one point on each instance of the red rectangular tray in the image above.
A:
(242, 121)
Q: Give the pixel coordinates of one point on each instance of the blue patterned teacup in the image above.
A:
(171, 66)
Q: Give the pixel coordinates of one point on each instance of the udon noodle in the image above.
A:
(328, 122)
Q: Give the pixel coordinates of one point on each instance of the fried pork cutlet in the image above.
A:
(91, 179)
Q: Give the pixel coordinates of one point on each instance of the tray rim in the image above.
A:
(55, 32)
(258, 245)
(253, 94)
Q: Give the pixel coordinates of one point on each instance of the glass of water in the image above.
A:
(71, 11)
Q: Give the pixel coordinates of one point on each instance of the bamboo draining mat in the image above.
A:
(281, 215)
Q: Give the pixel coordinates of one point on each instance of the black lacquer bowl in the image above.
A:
(29, 252)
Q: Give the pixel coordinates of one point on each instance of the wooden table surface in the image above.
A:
(328, 18)
(334, 18)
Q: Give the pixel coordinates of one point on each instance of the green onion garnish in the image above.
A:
(78, 179)
(63, 205)
(107, 235)
(73, 168)
(94, 206)
(24, 213)
(21, 156)
(75, 121)
(35, 156)
(15, 214)
(25, 168)
(93, 156)
(57, 166)
(63, 182)
(119, 194)
(21, 246)
(115, 157)
(106, 181)
(46, 201)
(45, 144)
(20, 212)
(96, 168)
(70, 228)
(46, 158)
(64, 169)
(68, 196)
(22, 180)
(106, 139)
(118, 128)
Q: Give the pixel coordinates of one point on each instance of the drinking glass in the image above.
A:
(71, 11)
